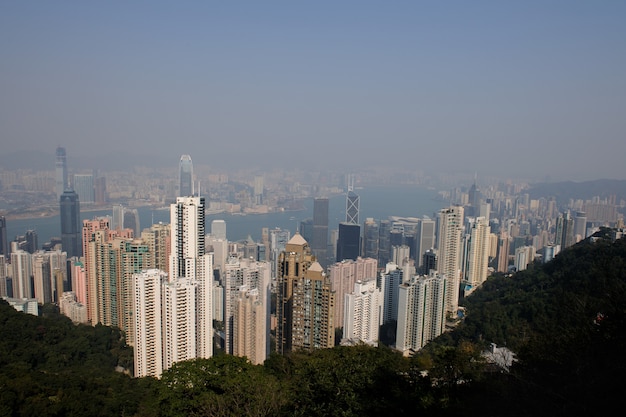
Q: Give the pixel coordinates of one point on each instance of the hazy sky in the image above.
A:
(520, 87)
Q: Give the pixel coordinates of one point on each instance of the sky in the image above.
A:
(535, 88)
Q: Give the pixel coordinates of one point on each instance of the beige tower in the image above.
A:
(449, 250)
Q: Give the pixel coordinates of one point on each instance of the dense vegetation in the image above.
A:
(564, 320)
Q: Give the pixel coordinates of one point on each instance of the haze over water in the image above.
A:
(378, 202)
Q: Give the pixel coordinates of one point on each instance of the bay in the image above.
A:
(377, 202)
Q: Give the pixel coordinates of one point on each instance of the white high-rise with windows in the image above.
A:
(147, 322)
(362, 316)
(449, 253)
(476, 268)
(190, 261)
(421, 311)
(179, 321)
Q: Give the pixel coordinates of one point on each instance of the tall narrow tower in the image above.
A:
(185, 177)
(449, 252)
(70, 224)
(319, 244)
(60, 166)
(352, 203)
(188, 260)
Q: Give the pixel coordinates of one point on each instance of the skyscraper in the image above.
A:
(319, 244)
(60, 166)
(370, 238)
(185, 177)
(147, 322)
(189, 259)
(305, 301)
(83, 185)
(476, 267)
(449, 253)
(362, 313)
(424, 239)
(349, 241)
(421, 311)
(343, 275)
(4, 243)
(352, 207)
(70, 224)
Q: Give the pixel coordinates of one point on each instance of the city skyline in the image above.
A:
(531, 89)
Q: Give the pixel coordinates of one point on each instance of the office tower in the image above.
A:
(60, 168)
(100, 190)
(384, 243)
(319, 244)
(185, 177)
(449, 253)
(343, 275)
(349, 241)
(32, 244)
(421, 311)
(523, 257)
(179, 318)
(305, 301)
(580, 226)
(476, 267)
(70, 224)
(503, 252)
(21, 269)
(250, 275)
(424, 238)
(390, 282)
(131, 221)
(189, 259)
(564, 230)
(117, 221)
(147, 322)
(306, 229)
(352, 207)
(278, 242)
(218, 229)
(370, 238)
(363, 313)
(429, 262)
(250, 326)
(4, 290)
(83, 185)
(4, 243)
(258, 189)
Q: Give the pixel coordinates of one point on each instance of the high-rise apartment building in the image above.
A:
(60, 167)
(250, 331)
(421, 311)
(180, 323)
(319, 244)
(189, 259)
(305, 301)
(343, 275)
(241, 276)
(147, 322)
(185, 177)
(21, 268)
(390, 281)
(449, 253)
(564, 230)
(70, 224)
(362, 315)
(477, 262)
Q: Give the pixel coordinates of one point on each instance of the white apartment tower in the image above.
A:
(421, 311)
(343, 275)
(363, 313)
(147, 323)
(449, 253)
(179, 321)
(188, 260)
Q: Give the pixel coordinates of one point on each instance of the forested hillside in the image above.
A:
(564, 320)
